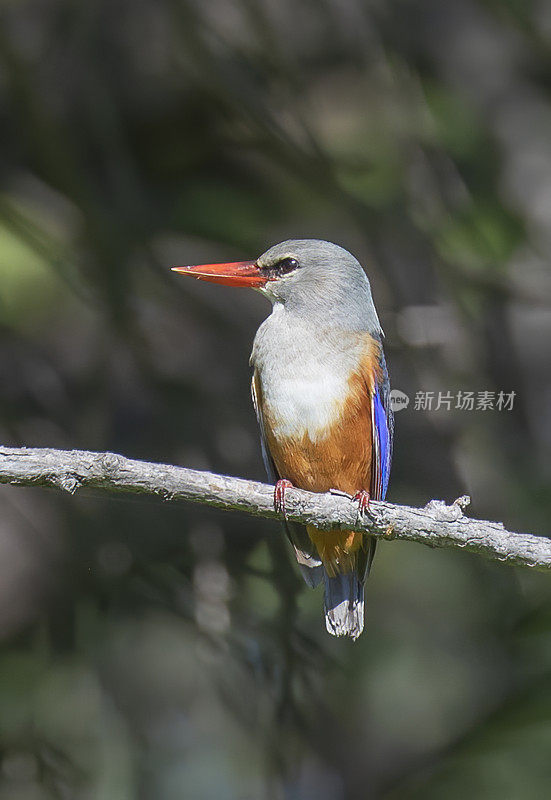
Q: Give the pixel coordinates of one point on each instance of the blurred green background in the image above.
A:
(167, 652)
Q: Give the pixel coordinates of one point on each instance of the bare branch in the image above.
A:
(436, 525)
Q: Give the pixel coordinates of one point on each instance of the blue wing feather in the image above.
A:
(383, 429)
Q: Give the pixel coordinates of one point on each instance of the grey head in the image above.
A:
(321, 282)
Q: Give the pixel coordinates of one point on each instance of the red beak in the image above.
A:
(236, 273)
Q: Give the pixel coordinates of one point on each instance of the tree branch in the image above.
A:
(436, 525)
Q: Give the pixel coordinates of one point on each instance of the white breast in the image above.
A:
(303, 374)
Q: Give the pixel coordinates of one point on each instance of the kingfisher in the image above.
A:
(321, 394)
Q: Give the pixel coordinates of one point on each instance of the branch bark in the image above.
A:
(436, 525)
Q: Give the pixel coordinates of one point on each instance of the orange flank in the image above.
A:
(340, 459)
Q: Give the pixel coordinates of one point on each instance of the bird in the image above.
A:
(321, 393)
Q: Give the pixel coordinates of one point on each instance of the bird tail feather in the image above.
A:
(344, 604)
(312, 574)
(308, 560)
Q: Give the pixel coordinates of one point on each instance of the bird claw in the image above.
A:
(339, 493)
(279, 495)
(362, 498)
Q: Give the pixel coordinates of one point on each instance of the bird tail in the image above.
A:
(344, 593)
(344, 604)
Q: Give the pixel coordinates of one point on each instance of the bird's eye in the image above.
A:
(286, 265)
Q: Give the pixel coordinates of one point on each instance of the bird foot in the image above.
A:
(279, 495)
(362, 498)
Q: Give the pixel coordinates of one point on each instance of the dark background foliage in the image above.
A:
(154, 651)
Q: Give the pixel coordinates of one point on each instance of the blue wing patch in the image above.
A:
(383, 432)
(382, 450)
